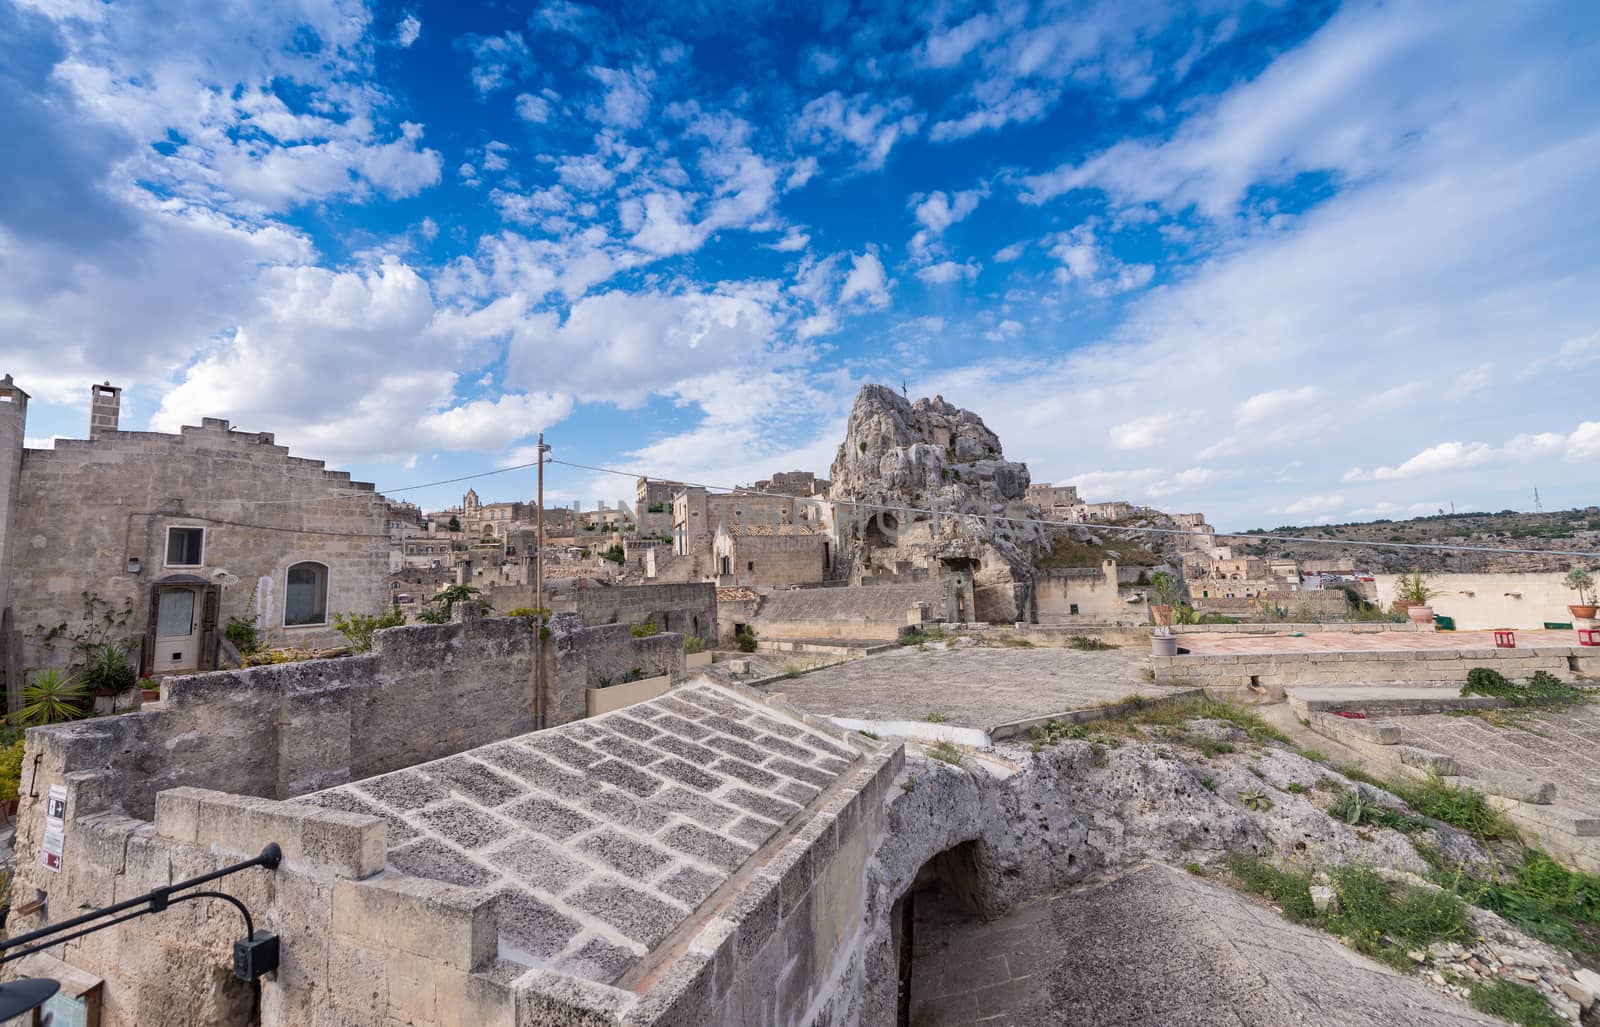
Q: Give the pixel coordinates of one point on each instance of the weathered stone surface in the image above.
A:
(898, 455)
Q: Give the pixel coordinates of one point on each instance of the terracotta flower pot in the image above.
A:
(1419, 613)
(150, 694)
(1162, 615)
(1583, 612)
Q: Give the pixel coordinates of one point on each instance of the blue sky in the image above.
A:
(1278, 262)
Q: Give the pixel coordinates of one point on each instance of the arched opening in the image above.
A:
(305, 595)
(949, 890)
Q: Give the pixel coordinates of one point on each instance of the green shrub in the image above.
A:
(1291, 891)
(936, 718)
(360, 627)
(1384, 921)
(1543, 690)
(244, 633)
(51, 697)
(1086, 644)
(745, 637)
(647, 629)
(913, 638)
(11, 769)
(1517, 1002)
(694, 644)
(1357, 809)
(106, 668)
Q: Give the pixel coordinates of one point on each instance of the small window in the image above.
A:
(185, 547)
(306, 598)
(1074, 610)
(750, 566)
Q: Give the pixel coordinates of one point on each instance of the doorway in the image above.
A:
(181, 636)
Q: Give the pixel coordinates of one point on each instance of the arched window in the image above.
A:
(306, 597)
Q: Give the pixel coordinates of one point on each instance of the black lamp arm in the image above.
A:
(153, 901)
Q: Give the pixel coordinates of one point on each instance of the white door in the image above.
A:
(177, 630)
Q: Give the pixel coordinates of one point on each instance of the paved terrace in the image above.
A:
(1154, 947)
(976, 688)
(1560, 747)
(603, 837)
(1366, 642)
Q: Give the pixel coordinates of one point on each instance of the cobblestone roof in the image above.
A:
(601, 836)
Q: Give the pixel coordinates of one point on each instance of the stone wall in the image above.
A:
(867, 612)
(86, 508)
(286, 729)
(757, 561)
(371, 933)
(1092, 590)
(689, 608)
(1302, 605)
(1483, 602)
(1273, 671)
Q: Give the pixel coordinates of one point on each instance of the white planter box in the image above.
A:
(615, 697)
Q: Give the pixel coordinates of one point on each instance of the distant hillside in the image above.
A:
(1562, 529)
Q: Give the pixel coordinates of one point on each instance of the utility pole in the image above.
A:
(538, 597)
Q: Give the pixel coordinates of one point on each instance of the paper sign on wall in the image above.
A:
(55, 826)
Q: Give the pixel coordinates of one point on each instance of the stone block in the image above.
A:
(411, 992)
(472, 1000)
(424, 918)
(756, 910)
(359, 978)
(178, 813)
(345, 844)
(1375, 732)
(1425, 759)
(1521, 787)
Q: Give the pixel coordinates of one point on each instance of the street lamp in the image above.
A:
(253, 955)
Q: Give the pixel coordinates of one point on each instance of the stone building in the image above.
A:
(696, 514)
(802, 484)
(763, 555)
(172, 535)
(1055, 500)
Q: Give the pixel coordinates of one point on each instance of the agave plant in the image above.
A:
(51, 697)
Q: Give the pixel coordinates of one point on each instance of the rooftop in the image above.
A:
(601, 838)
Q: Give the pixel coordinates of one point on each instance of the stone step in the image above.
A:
(1384, 700)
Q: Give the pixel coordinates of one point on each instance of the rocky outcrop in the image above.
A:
(900, 459)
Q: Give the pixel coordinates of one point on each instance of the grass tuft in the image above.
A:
(1519, 1003)
(946, 752)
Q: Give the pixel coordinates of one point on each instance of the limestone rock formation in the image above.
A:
(899, 459)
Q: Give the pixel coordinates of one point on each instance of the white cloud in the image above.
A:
(866, 283)
(871, 128)
(1010, 254)
(627, 96)
(487, 425)
(620, 347)
(947, 271)
(1144, 432)
(531, 108)
(793, 241)
(407, 30)
(1007, 329)
(1581, 444)
(1274, 403)
(497, 61)
(947, 46)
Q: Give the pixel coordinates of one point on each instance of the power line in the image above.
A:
(1249, 536)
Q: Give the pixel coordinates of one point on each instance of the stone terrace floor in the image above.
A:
(1560, 747)
(977, 688)
(600, 837)
(1153, 947)
(1366, 642)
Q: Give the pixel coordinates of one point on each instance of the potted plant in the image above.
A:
(1581, 582)
(149, 689)
(107, 671)
(1165, 587)
(1412, 593)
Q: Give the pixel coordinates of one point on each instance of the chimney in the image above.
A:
(105, 402)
